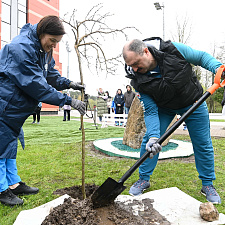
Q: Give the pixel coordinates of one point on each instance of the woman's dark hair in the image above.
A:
(108, 94)
(50, 25)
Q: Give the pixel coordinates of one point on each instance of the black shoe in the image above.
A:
(8, 198)
(23, 189)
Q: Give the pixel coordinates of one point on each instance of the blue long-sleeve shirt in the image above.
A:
(192, 56)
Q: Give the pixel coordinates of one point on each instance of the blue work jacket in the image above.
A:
(26, 78)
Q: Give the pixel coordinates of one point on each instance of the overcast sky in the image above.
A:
(205, 18)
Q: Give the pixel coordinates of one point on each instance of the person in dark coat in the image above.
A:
(119, 102)
(37, 113)
(66, 109)
(129, 96)
(27, 76)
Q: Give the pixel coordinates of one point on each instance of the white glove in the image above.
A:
(79, 105)
(152, 147)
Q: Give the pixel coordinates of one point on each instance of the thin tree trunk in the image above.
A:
(82, 128)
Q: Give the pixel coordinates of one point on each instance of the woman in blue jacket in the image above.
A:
(27, 76)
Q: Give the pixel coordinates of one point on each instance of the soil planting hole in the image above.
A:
(76, 211)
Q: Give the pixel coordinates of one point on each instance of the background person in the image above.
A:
(27, 76)
(113, 105)
(119, 103)
(109, 102)
(66, 111)
(101, 104)
(161, 72)
(129, 96)
(37, 113)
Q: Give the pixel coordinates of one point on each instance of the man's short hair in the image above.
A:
(137, 46)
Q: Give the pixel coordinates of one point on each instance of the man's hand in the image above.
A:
(79, 105)
(77, 86)
(152, 147)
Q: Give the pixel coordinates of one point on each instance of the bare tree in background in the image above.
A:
(183, 30)
(89, 33)
(219, 54)
(183, 35)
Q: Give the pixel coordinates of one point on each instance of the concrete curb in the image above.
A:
(184, 149)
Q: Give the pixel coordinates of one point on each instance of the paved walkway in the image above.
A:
(216, 127)
(179, 208)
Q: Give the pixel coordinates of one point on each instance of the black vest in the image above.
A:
(178, 85)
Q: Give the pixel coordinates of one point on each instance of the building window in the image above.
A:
(5, 34)
(6, 9)
(22, 5)
(6, 22)
(22, 9)
(21, 19)
(14, 16)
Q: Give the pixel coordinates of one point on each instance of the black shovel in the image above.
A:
(110, 189)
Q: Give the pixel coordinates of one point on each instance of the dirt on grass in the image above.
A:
(75, 211)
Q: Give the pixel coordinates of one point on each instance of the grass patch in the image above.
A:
(52, 160)
(215, 120)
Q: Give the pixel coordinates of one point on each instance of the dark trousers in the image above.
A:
(119, 110)
(37, 113)
(68, 115)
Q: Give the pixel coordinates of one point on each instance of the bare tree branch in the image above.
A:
(88, 35)
(94, 29)
(184, 29)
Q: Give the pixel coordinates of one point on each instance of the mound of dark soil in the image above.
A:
(75, 211)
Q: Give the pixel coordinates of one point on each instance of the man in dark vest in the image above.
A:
(162, 74)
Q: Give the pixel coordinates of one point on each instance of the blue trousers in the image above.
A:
(8, 173)
(198, 125)
(127, 110)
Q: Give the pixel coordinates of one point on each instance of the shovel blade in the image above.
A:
(107, 193)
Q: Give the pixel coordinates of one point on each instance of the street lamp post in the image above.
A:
(161, 7)
(68, 50)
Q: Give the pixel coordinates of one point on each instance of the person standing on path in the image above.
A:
(119, 103)
(129, 96)
(109, 102)
(101, 104)
(37, 113)
(66, 111)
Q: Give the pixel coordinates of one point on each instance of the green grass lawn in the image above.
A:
(52, 160)
(215, 120)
